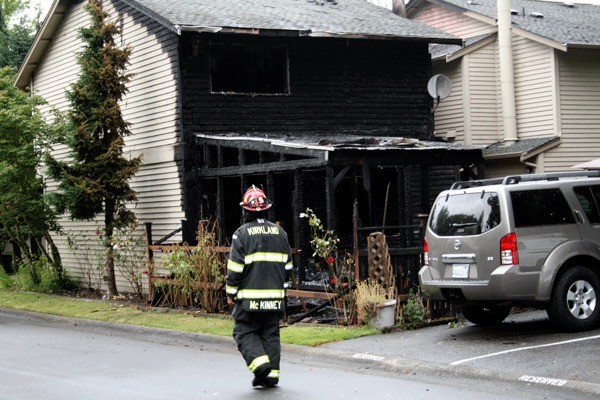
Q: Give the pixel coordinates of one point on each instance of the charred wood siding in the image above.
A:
(335, 86)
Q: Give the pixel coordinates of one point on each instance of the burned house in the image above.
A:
(322, 102)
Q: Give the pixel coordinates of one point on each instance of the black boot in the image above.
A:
(260, 377)
(272, 382)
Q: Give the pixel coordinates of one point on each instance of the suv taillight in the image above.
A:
(425, 253)
(509, 254)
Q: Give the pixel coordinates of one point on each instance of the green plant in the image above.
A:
(325, 249)
(413, 311)
(338, 265)
(369, 297)
(6, 280)
(94, 180)
(87, 250)
(130, 256)
(39, 276)
(199, 272)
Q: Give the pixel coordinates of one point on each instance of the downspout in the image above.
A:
(399, 8)
(507, 85)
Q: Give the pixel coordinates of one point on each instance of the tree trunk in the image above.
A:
(109, 222)
(56, 260)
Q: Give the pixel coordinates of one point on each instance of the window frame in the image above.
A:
(230, 47)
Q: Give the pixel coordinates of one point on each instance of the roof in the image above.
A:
(452, 51)
(343, 18)
(567, 24)
(312, 18)
(337, 142)
(589, 165)
(521, 148)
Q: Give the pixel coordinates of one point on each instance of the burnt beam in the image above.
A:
(267, 146)
(260, 168)
(330, 199)
(338, 178)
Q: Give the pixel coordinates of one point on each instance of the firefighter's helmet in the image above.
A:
(255, 200)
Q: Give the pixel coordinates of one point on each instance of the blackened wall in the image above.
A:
(336, 86)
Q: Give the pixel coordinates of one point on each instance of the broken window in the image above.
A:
(251, 69)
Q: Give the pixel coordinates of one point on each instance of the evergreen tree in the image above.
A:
(95, 180)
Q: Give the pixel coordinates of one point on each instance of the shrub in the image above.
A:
(369, 296)
(337, 266)
(38, 276)
(200, 271)
(413, 310)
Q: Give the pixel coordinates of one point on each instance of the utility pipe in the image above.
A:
(506, 72)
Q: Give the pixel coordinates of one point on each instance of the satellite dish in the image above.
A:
(439, 87)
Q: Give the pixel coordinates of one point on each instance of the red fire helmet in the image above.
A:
(255, 200)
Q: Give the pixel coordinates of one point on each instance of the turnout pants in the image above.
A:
(257, 338)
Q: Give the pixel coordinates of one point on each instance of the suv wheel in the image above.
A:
(573, 305)
(486, 315)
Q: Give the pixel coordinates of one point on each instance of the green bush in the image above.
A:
(413, 311)
(38, 276)
(6, 281)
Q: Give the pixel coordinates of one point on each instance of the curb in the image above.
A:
(393, 365)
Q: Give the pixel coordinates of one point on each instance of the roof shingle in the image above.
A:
(577, 26)
(314, 17)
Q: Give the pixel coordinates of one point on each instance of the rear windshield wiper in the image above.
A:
(462, 224)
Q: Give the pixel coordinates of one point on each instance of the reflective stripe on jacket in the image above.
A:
(260, 263)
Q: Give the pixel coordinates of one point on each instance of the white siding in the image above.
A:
(503, 167)
(449, 116)
(534, 88)
(151, 107)
(450, 21)
(579, 109)
(483, 95)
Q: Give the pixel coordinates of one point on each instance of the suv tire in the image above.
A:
(574, 302)
(480, 315)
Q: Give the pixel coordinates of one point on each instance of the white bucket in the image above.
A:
(386, 315)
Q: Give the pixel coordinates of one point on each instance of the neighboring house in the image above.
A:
(323, 102)
(554, 60)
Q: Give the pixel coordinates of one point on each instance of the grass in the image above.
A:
(221, 325)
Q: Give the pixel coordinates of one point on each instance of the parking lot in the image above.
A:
(526, 345)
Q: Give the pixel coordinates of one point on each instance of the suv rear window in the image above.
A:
(540, 207)
(465, 214)
(588, 197)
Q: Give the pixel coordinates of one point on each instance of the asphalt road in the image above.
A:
(45, 357)
(526, 347)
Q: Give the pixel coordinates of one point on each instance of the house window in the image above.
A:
(248, 69)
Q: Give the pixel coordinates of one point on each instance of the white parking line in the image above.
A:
(524, 348)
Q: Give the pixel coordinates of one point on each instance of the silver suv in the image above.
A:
(526, 240)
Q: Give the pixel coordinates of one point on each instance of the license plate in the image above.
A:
(460, 271)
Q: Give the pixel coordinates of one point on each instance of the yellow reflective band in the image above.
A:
(258, 361)
(289, 266)
(261, 294)
(271, 257)
(235, 267)
(273, 374)
(231, 289)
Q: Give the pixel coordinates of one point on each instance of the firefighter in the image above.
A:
(259, 267)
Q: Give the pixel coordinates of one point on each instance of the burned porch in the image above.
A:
(355, 184)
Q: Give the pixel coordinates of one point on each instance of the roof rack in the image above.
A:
(515, 179)
(476, 183)
(551, 176)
